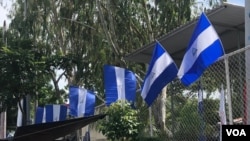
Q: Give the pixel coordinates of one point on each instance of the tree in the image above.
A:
(122, 122)
(22, 72)
(79, 37)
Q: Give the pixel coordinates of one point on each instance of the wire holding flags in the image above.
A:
(161, 71)
(119, 83)
(204, 49)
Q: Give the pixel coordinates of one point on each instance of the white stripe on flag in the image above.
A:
(81, 101)
(44, 115)
(120, 80)
(56, 112)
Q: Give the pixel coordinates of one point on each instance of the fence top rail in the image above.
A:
(235, 52)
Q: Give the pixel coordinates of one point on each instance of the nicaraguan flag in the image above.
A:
(55, 112)
(204, 49)
(119, 83)
(51, 113)
(161, 71)
(81, 102)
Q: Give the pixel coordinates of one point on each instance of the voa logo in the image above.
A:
(236, 132)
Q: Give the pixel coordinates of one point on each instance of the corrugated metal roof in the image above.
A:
(52, 130)
(228, 21)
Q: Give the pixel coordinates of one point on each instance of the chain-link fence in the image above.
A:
(182, 117)
(230, 72)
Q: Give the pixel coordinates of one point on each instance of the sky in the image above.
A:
(4, 8)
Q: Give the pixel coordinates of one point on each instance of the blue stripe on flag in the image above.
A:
(39, 115)
(119, 83)
(73, 100)
(204, 49)
(63, 112)
(161, 71)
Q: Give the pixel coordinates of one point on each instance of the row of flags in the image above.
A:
(81, 104)
(204, 49)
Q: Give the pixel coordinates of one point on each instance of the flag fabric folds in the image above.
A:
(51, 113)
(161, 71)
(81, 102)
(222, 112)
(204, 49)
(119, 83)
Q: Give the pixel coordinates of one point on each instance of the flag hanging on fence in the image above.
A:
(55, 112)
(161, 71)
(81, 102)
(119, 83)
(51, 113)
(204, 49)
(222, 112)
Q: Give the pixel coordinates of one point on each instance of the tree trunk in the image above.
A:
(159, 111)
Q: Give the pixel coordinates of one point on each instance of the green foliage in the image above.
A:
(190, 116)
(122, 122)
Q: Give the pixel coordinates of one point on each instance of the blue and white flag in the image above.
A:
(55, 112)
(119, 83)
(204, 49)
(81, 102)
(161, 71)
(51, 113)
